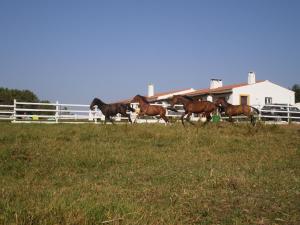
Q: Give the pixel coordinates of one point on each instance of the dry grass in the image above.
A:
(149, 174)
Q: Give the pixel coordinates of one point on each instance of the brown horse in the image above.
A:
(193, 106)
(235, 110)
(149, 110)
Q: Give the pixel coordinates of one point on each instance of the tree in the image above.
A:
(296, 89)
(7, 96)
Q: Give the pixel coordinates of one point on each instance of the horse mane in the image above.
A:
(144, 99)
(98, 102)
(187, 97)
(226, 103)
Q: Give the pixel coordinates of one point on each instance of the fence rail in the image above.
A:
(27, 112)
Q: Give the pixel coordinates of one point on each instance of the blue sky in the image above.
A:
(72, 51)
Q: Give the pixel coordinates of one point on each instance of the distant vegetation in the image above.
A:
(7, 96)
(296, 89)
(149, 174)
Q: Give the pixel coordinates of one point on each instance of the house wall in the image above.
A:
(202, 97)
(227, 96)
(258, 91)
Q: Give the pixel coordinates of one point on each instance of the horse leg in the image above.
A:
(138, 116)
(127, 115)
(141, 113)
(182, 118)
(111, 120)
(105, 119)
(208, 117)
(164, 118)
(252, 119)
(108, 118)
(129, 118)
(188, 118)
(230, 119)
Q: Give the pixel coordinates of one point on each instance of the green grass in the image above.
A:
(149, 174)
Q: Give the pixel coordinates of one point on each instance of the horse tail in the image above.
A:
(255, 109)
(253, 119)
(172, 109)
(215, 109)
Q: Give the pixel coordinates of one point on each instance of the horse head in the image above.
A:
(221, 104)
(96, 101)
(220, 101)
(135, 99)
(180, 99)
(174, 100)
(139, 99)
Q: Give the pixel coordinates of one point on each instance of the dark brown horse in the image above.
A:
(109, 110)
(193, 106)
(235, 110)
(150, 110)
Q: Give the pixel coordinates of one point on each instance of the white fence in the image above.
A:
(6, 112)
(29, 112)
(53, 113)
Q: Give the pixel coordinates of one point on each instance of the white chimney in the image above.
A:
(215, 83)
(150, 90)
(251, 78)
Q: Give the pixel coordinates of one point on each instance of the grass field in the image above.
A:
(149, 174)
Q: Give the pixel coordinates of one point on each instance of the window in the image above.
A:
(244, 100)
(268, 100)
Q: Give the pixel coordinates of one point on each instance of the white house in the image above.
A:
(252, 92)
(262, 93)
(256, 93)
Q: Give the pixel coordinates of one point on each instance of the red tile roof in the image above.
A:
(154, 97)
(166, 93)
(222, 89)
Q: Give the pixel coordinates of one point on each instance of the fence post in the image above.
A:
(288, 113)
(259, 113)
(15, 112)
(90, 115)
(56, 112)
(95, 114)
